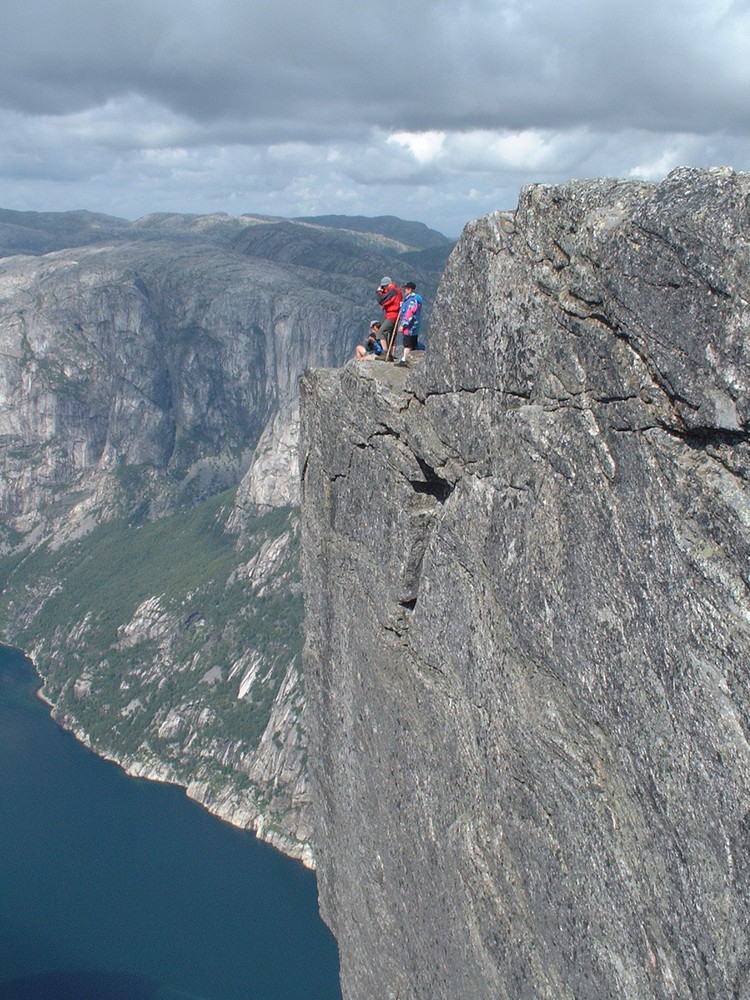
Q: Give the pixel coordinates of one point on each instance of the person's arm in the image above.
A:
(408, 316)
(387, 297)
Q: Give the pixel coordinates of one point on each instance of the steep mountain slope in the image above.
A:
(148, 418)
(527, 599)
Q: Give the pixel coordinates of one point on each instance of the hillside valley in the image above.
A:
(149, 535)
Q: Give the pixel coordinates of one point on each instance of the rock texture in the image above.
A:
(526, 566)
(159, 357)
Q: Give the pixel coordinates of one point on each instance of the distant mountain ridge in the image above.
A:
(414, 234)
(45, 232)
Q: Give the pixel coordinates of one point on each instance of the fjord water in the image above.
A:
(113, 888)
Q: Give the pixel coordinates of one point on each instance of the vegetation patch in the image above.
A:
(127, 622)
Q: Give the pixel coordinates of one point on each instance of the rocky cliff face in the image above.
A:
(525, 566)
(168, 347)
(148, 432)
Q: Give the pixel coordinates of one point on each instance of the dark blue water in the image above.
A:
(113, 888)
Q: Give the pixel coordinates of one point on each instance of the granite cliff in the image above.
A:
(148, 523)
(526, 569)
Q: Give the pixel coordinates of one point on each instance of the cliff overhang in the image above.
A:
(527, 613)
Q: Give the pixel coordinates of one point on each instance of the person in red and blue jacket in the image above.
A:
(390, 298)
(409, 320)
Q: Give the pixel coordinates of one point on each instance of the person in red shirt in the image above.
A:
(390, 299)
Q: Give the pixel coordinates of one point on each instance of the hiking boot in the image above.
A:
(402, 363)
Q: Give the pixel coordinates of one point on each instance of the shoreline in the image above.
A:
(40, 691)
(229, 810)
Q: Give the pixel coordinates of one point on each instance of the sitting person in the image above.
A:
(373, 347)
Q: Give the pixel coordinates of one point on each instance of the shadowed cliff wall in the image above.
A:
(528, 622)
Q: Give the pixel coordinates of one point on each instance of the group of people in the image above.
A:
(402, 314)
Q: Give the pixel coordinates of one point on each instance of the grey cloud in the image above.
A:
(477, 64)
(209, 104)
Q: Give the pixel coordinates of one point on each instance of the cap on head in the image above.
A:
(410, 284)
(384, 282)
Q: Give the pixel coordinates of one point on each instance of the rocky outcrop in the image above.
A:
(272, 481)
(525, 566)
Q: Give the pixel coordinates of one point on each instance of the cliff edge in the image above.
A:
(526, 567)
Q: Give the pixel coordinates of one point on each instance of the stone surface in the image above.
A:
(272, 480)
(526, 570)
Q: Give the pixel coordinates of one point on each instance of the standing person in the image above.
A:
(390, 298)
(409, 320)
(373, 347)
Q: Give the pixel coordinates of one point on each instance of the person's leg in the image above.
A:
(385, 333)
(410, 344)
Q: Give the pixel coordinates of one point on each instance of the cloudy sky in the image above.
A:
(435, 111)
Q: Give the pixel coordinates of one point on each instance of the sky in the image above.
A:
(433, 111)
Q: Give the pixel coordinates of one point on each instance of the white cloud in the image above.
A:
(657, 168)
(531, 150)
(424, 146)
